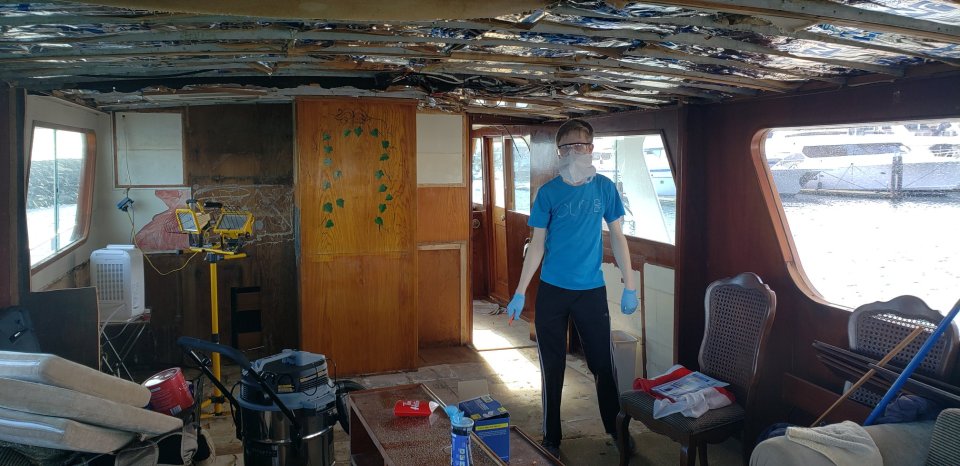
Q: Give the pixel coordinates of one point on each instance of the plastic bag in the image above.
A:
(692, 404)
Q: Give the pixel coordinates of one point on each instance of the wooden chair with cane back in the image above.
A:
(739, 314)
(875, 328)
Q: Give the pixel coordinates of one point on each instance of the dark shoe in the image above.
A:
(551, 448)
(631, 445)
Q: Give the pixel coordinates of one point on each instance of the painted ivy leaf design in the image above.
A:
(374, 132)
(382, 188)
(358, 130)
(340, 202)
(328, 207)
(384, 157)
(346, 132)
(328, 161)
(326, 136)
(329, 224)
(382, 207)
(385, 144)
(389, 197)
(379, 174)
(326, 185)
(378, 221)
(327, 149)
(337, 174)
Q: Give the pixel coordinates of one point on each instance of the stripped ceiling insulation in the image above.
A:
(531, 59)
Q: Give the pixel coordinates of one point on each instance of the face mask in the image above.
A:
(577, 168)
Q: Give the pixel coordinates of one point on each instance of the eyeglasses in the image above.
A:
(575, 148)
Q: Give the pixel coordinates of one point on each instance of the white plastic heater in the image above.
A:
(117, 273)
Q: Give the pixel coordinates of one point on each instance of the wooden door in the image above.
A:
(356, 190)
(497, 183)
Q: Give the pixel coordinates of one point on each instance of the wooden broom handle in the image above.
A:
(863, 379)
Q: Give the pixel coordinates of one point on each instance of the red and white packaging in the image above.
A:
(414, 408)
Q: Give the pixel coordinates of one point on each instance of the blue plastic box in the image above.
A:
(491, 422)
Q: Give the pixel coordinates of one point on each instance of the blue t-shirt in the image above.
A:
(572, 216)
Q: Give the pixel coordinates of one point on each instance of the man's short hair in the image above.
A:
(572, 126)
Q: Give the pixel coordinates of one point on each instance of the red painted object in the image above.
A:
(169, 393)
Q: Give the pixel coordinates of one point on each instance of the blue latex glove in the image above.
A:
(628, 302)
(515, 307)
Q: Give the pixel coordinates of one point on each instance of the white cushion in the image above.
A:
(59, 433)
(53, 370)
(48, 400)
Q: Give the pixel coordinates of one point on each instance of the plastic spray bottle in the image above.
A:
(460, 428)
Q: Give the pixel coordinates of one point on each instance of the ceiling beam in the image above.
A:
(732, 44)
(762, 26)
(396, 10)
(824, 11)
(622, 65)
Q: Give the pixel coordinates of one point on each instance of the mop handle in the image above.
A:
(895, 351)
(907, 371)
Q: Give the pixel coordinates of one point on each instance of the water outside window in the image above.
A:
(640, 168)
(53, 191)
(521, 174)
(873, 210)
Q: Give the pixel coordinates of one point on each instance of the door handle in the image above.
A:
(475, 223)
(503, 218)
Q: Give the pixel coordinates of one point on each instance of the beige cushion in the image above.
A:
(48, 400)
(59, 433)
(53, 370)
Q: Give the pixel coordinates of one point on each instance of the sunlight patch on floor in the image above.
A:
(514, 369)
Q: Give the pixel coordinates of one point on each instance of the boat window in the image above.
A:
(876, 218)
(521, 174)
(476, 195)
(640, 167)
(499, 178)
(59, 186)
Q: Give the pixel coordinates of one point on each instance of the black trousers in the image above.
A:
(591, 319)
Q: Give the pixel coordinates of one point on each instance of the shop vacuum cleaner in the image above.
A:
(287, 407)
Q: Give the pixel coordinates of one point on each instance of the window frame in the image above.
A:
(777, 214)
(673, 173)
(85, 192)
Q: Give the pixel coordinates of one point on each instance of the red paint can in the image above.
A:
(169, 393)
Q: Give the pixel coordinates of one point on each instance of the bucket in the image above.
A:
(624, 358)
(169, 393)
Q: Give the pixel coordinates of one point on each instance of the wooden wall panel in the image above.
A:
(13, 248)
(356, 178)
(356, 188)
(360, 310)
(478, 255)
(443, 214)
(440, 272)
(238, 144)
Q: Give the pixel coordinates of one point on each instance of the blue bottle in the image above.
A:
(460, 428)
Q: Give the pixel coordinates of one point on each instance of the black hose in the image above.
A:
(343, 387)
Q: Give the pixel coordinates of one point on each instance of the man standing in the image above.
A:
(566, 219)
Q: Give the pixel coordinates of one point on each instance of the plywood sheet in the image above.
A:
(67, 323)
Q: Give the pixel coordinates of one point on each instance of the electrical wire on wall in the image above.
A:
(133, 240)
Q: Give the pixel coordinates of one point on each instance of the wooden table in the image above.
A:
(377, 437)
